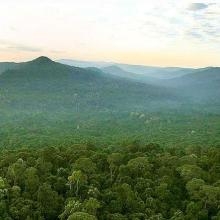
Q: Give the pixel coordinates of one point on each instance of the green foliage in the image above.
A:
(133, 181)
(81, 216)
(43, 103)
(75, 144)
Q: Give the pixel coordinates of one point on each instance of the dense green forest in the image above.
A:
(80, 143)
(40, 129)
(131, 181)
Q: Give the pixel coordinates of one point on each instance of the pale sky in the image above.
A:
(150, 32)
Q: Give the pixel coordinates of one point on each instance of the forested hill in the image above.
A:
(6, 66)
(201, 76)
(202, 85)
(51, 85)
(83, 144)
(43, 103)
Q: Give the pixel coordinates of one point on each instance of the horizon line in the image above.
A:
(109, 62)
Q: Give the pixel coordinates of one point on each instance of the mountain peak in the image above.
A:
(42, 60)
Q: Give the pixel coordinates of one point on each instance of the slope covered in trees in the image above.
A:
(201, 86)
(132, 181)
(45, 103)
(75, 144)
(7, 66)
(51, 84)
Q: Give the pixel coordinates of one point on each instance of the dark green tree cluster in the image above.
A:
(136, 181)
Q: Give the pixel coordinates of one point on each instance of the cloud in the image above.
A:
(18, 47)
(197, 6)
(25, 48)
(194, 34)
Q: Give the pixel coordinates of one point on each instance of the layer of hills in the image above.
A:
(111, 87)
(64, 85)
(199, 85)
(114, 85)
(142, 71)
(90, 143)
(46, 102)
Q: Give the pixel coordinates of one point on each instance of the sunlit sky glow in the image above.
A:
(157, 32)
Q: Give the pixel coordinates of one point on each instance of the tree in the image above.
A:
(194, 186)
(14, 192)
(77, 178)
(81, 216)
(128, 200)
(137, 167)
(210, 196)
(189, 172)
(16, 171)
(3, 199)
(91, 205)
(31, 180)
(3, 188)
(85, 165)
(71, 207)
(114, 161)
(49, 201)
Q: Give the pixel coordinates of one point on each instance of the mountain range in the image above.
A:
(100, 83)
(53, 84)
(197, 84)
(145, 71)
(43, 101)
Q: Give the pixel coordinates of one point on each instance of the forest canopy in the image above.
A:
(134, 181)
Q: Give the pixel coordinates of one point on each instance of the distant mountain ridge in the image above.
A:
(203, 75)
(147, 71)
(52, 82)
(197, 85)
(119, 72)
(202, 85)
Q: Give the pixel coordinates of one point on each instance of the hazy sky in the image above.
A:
(151, 32)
